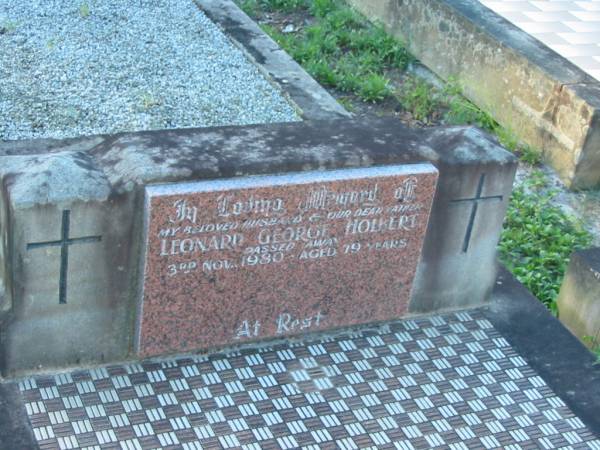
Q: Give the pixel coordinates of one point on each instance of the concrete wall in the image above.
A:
(547, 101)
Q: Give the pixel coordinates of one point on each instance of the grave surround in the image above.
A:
(295, 253)
(72, 210)
(72, 226)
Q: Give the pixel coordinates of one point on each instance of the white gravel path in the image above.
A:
(70, 68)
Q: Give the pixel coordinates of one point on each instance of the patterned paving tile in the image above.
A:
(446, 381)
(569, 27)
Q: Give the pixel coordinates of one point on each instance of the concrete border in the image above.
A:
(547, 101)
(313, 100)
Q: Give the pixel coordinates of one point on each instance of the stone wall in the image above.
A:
(545, 100)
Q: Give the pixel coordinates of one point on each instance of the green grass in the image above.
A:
(538, 239)
(253, 7)
(594, 343)
(418, 97)
(340, 49)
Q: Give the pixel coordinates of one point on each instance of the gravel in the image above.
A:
(71, 68)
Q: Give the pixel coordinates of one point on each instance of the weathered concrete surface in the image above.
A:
(547, 101)
(579, 297)
(458, 263)
(102, 188)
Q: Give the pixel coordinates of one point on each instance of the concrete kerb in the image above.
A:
(547, 101)
(314, 102)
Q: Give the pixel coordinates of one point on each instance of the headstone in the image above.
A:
(248, 258)
(73, 239)
(579, 297)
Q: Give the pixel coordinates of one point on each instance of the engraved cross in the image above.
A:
(478, 198)
(64, 243)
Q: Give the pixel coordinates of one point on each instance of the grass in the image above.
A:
(341, 50)
(538, 239)
(417, 97)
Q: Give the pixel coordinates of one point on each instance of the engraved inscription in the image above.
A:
(245, 262)
(64, 243)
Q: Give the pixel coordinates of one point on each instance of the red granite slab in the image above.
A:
(232, 260)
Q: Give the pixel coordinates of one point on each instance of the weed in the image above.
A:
(538, 239)
(84, 10)
(417, 97)
(373, 88)
(594, 344)
(8, 27)
(507, 138)
(250, 7)
(322, 72)
(254, 7)
(462, 112)
(340, 48)
(379, 43)
(343, 19)
(346, 103)
(349, 73)
(529, 155)
(283, 5)
(285, 41)
(148, 101)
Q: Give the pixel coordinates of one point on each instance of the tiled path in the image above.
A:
(446, 381)
(569, 27)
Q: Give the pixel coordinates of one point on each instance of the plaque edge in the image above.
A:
(142, 265)
(287, 178)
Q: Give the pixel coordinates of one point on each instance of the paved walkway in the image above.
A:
(569, 27)
(446, 381)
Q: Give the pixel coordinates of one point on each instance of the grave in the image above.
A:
(326, 282)
(74, 250)
(579, 298)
